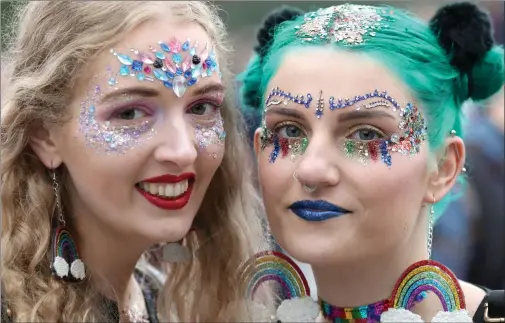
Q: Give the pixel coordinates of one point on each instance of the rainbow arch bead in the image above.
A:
(428, 275)
(275, 266)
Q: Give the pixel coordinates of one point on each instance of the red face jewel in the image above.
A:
(284, 143)
(373, 150)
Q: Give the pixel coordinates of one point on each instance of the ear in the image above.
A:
(257, 142)
(446, 172)
(42, 143)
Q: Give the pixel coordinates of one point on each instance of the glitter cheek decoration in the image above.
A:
(292, 147)
(208, 135)
(105, 138)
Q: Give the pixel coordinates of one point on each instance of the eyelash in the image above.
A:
(284, 124)
(145, 110)
(214, 105)
(357, 128)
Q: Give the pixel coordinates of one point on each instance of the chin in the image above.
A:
(315, 251)
(170, 229)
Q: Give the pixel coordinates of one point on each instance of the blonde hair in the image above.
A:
(53, 43)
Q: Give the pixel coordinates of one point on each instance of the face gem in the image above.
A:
(292, 147)
(412, 124)
(380, 99)
(287, 96)
(179, 65)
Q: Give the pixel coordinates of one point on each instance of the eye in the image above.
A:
(289, 130)
(365, 133)
(131, 114)
(202, 108)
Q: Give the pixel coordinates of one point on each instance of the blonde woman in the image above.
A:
(117, 135)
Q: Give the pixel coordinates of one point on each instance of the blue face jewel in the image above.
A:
(287, 96)
(344, 103)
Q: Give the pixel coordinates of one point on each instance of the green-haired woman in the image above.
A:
(359, 146)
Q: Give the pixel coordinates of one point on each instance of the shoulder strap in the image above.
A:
(492, 308)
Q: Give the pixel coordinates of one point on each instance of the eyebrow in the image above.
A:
(150, 92)
(362, 114)
(138, 91)
(209, 88)
(285, 112)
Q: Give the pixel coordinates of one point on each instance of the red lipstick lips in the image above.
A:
(169, 203)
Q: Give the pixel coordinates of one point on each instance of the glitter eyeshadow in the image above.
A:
(177, 65)
(108, 139)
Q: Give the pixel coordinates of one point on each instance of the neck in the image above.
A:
(110, 257)
(369, 281)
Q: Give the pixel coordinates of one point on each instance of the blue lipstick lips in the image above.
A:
(316, 211)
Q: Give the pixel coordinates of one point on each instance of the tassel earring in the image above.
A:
(65, 264)
(430, 227)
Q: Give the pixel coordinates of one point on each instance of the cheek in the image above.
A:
(387, 194)
(210, 139)
(276, 179)
(96, 174)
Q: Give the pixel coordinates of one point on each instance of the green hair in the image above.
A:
(407, 47)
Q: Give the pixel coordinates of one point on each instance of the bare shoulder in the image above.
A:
(473, 296)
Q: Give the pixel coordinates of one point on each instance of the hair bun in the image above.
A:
(265, 34)
(465, 32)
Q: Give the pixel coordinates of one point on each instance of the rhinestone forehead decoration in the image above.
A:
(348, 24)
(176, 64)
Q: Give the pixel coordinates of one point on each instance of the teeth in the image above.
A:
(165, 190)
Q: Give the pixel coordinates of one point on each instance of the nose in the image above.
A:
(317, 167)
(177, 145)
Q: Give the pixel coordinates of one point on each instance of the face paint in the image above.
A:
(412, 123)
(347, 24)
(207, 135)
(107, 138)
(293, 147)
(413, 126)
(177, 65)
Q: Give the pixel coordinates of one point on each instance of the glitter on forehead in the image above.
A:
(177, 65)
(106, 138)
(348, 24)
